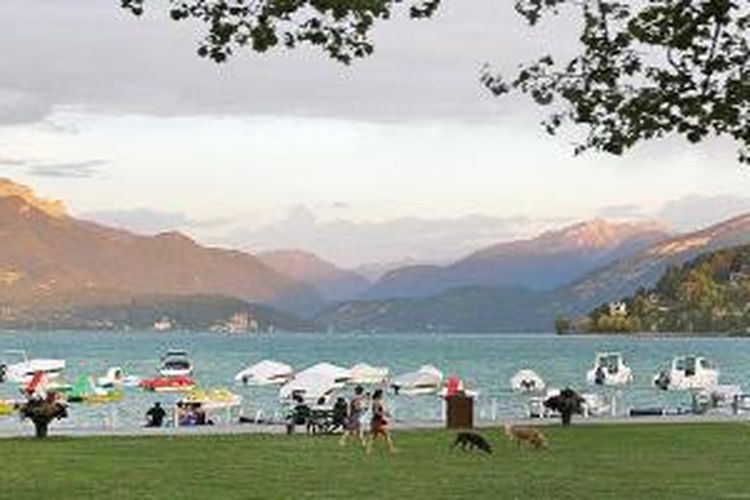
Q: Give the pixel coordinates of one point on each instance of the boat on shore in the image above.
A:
(318, 381)
(365, 374)
(426, 380)
(23, 369)
(266, 372)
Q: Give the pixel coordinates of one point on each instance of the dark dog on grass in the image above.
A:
(472, 440)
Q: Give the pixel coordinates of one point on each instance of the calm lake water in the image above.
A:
(485, 362)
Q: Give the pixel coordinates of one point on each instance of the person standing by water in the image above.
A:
(357, 409)
(379, 422)
(155, 415)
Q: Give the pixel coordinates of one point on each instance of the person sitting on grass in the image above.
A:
(155, 415)
(379, 422)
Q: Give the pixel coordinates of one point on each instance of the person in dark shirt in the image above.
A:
(155, 415)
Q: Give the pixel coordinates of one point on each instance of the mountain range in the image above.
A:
(487, 308)
(74, 269)
(46, 254)
(541, 263)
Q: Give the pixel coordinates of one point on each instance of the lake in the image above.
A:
(486, 362)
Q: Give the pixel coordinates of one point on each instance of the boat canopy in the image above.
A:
(425, 380)
(362, 373)
(527, 381)
(212, 399)
(266, 372)
(339, 374)
(315, 382)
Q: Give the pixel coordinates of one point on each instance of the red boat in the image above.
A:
(168, 384)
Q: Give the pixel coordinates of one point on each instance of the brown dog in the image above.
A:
(531, 435)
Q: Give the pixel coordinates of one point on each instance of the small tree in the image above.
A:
(42, 412)
(567, 403)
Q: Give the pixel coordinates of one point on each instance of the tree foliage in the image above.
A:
(644, 69)
(709, 294)
(341, 28)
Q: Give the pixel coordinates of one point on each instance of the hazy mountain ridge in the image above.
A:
(114, 310)
(333, 283)
(543, 263)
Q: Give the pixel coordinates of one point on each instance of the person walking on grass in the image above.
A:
(357, 408)
(379, 422)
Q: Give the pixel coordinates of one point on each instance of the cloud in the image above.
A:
(74, 170)
(621, 211)
(149, 221)
(351, 243)
(7, 161)
(696, 211)
(140, 220)
(58, 60)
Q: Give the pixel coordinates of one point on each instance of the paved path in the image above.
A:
(242, 429)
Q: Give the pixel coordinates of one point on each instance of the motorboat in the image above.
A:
(688, 373)
(527, 382)
(176, 363)
(316, 382)
(168, 384)
(23, 369)
(266, 372)
(426, 380)
(535, 407)
(365, 374)
(609, 369)
(596, 405)
(115, 377)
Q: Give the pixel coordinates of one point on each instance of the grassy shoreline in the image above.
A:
(613, 461)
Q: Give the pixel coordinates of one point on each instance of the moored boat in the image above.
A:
(176, 363)
(527, 382)
(426, 380)
(23, 369)
(365, 374)
(168, 384)
(115, 377)
(318, 381)
(266, 372)
(609, 369)
(688, 373)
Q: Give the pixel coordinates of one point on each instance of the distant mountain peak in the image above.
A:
(53, 208)
(601, 233)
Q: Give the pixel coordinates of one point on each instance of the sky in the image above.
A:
(402, 155)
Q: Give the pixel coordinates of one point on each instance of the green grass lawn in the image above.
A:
(633, 461)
